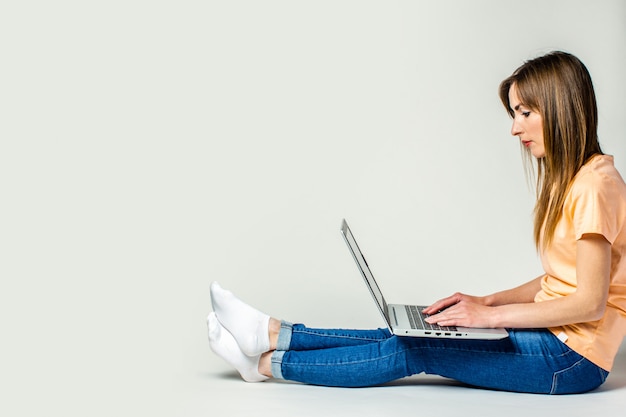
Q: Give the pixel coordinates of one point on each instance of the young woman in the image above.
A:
(565, 325)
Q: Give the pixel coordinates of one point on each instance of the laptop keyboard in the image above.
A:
(416, 318)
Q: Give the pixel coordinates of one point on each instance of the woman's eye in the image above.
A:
(525, 113)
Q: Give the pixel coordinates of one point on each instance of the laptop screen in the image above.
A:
(365, 270)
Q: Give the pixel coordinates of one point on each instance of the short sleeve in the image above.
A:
(597, 205)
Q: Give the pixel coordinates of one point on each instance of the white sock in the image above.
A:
(225, 346)
(249, 327)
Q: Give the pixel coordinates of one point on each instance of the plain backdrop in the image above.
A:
(151, 147)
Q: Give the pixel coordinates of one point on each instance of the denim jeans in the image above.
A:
(529, 360)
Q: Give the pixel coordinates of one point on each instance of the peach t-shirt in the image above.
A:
(595, 203)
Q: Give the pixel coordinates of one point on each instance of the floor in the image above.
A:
(219, 391)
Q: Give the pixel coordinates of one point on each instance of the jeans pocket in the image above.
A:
(580, 377)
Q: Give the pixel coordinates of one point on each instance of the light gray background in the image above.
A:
(149, 148)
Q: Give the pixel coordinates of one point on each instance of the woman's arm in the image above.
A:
(593, 263)
(525, 293)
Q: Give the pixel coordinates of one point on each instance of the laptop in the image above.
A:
(408, 320)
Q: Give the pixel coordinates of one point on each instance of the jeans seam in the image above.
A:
(352, 362)
(336, 336)
(555, 382)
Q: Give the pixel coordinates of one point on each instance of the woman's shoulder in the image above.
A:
(599, 176)
(600, 169)
(597, 196)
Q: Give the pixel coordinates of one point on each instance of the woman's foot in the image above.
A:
(224, 345)
(248, 326)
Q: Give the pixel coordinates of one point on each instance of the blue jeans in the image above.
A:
(532, 361)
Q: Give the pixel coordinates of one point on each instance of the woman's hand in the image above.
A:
(461, 310)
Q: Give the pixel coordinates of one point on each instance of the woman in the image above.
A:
(565, 325)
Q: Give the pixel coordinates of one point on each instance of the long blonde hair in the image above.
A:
(557, 86)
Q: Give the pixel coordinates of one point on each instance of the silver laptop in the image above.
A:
(408, 320)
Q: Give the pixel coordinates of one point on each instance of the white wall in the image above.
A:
(149, 148)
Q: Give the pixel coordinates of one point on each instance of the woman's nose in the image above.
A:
(515, 129)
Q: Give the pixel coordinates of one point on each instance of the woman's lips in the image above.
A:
(527, 143)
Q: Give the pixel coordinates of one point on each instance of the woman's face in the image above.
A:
(527, 125)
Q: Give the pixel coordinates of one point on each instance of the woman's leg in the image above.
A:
(257, 333)
(527, 361)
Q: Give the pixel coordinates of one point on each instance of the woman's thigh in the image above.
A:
(532, 361)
